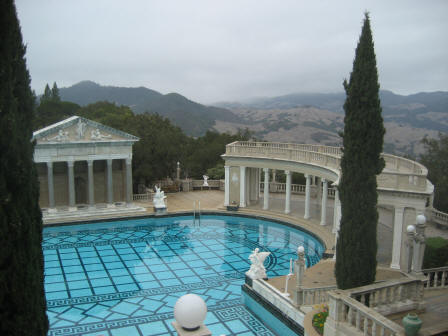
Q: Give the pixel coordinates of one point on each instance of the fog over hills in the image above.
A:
(300, 117)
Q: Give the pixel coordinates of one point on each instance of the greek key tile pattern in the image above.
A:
(124, 277)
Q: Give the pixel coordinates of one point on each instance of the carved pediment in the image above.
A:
(78, 129)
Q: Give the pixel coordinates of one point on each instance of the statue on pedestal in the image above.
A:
(205, 177)
(257, 270)
(159, 199)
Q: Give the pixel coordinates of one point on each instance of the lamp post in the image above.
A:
(411, 232)
(299, 268)
(416, 244)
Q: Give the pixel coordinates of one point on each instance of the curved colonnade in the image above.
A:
(402, 185)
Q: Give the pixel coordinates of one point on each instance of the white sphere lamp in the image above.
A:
(190, 311)
(410, 228)
(300, 249)
(421, 219)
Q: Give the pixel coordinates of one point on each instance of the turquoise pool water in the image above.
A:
(123, 277)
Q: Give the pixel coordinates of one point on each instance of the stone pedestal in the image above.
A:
(202, 331)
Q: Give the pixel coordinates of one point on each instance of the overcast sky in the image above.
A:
(211, 50)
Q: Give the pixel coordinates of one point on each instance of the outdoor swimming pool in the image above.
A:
(124, 277)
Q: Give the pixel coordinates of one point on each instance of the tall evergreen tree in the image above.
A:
(55, 93)
(47, 93)
(361, 162)
(22, 297)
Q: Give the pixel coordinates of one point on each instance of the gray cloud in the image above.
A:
(227, 50)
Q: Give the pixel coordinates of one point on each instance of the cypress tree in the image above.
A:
(22, 297)
(55, 93)
(47, 93)
(361, 162)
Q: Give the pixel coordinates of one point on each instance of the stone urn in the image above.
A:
(411, 324)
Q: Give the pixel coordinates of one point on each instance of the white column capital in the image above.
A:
(90, 163)
(266, 170)
(71, 164)
(287, 172)
(324, 180)
(128, 161)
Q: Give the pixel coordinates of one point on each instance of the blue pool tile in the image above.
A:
(118, 272)
(236, 326)
(139, 269)
(97, 274)
(113, 265)
(88, 254)
(149, 284)
(80, 292)
(78, 284)
(54, 287)
(110, 259)
(75, 276)
(101, 282)
(175, 266)
(92, 260)
(127, 287)
(184, 272)
(125, 308)
(118, 280)
(54, 263)
(191, 279)
(164, 275)
(56, 295)
(144, 277)
(171, 282)
(73, 269)
(218, 329)
(158, 268)
(94, 267)
(126, 331)
(188, 257)
(153, 328)
(214, 261)
(131, 256)
(71, 262)
(54, 278)
(53, 271)
(104, 290)
(51, 257)
(65, 256)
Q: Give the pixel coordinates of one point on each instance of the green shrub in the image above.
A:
(436, 252)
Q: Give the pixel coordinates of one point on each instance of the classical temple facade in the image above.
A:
(403, 186)
(83, 166)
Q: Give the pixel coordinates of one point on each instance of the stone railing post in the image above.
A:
(299, 269)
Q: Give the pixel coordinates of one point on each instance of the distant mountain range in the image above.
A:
(302, 118)
(317, 118)
(195, 119)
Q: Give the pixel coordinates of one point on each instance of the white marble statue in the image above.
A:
(159, 199)
(257, 270)
(62, 136)
(81, 129)
(205, 177)
(97, 135)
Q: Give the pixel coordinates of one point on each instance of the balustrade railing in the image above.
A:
(438, 217)
(142, 197)
(352, 317)
(295, 188)
(436, 277)
(390, 296)
(399, 173)
(312, 296)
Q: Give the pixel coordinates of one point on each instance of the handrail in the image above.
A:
(436, 277)
(399, 174)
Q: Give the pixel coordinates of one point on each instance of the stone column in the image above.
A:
(337, 211)
(91, 184)
(274, 175)
(71, 185)
(288, 192)
(266, 189)
(50, 186)
(323, 213)
(242, 187)
(307, 196)
(128, 181)
(299, 270)
(110, 186)
(226, 185)
(396, 244)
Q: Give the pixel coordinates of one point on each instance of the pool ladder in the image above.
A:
(197, 212)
